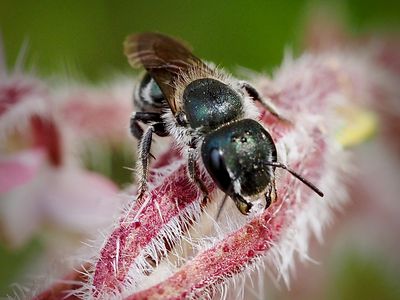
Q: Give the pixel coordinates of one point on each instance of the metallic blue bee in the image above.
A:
(210, 114)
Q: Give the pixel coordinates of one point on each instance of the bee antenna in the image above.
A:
(298, 176)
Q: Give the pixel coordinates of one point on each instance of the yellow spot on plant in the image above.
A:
(360, 126)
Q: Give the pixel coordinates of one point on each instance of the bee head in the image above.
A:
(237, 157)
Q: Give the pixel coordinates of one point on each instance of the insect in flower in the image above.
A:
(210, 116)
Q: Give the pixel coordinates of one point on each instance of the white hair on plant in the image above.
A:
(311, 218)
(155, 250)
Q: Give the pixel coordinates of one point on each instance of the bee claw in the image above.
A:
(140, 195)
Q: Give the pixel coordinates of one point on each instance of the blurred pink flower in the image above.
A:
(42, 181)
(374, 55)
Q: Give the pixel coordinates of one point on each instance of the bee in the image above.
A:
(211, 116)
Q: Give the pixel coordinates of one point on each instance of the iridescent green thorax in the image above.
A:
(240, 149)
(209, 103)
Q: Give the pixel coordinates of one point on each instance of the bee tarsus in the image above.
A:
(193, 169)
(143, 161)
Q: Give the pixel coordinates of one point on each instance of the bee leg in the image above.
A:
(158, 127)
(221, 206)
(192, 168)
(147, 118)
(255, 95)
(228, 192)
(142, 168)
(243, 205)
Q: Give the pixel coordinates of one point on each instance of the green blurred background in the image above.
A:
(84, 39)
(86, 36)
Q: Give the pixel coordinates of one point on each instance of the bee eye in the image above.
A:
(217, 168)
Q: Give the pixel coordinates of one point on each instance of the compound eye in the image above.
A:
(217, 168)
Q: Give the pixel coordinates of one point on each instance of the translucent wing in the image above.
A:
(164, 58)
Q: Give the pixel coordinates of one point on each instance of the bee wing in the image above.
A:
(164, 58)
